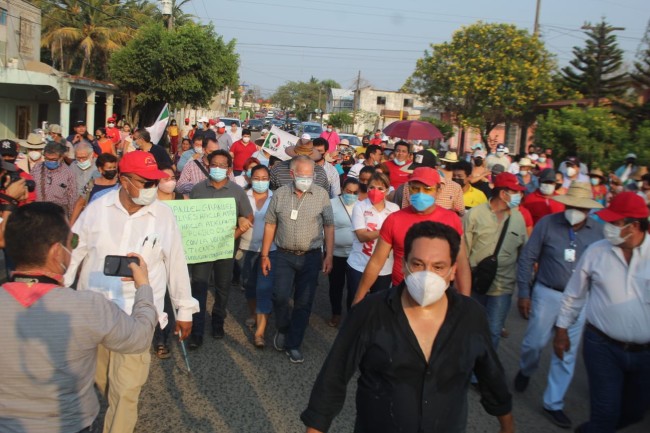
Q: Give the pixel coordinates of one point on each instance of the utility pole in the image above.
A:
(355, 101)
(536, 28)
(167, 13)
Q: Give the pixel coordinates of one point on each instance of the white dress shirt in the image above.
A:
(619, 294)
(106, 228)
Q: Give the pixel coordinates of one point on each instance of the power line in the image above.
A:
(329, 48)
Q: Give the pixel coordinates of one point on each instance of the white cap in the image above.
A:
(345, 142)
(264, 131)
(221, 125)
(534, 157)
(305, 137)
(203, 119)
(478, 153)
(630, 156)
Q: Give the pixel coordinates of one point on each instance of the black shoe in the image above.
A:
(195, 341)
(521, 382)
(558, 417)
(218, 333)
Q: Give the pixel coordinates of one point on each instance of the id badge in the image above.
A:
(294, 214)
(570, 255)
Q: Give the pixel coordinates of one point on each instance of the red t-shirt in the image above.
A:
(241, 153)
(394, 229)
(113, 134)
(397, 176)
(539, 206)
(528, 218)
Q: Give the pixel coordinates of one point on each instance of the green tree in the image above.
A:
(188, 65)
(486, 75)
(339, 120)
(595, 134)
(641, 77)
(596, 71)
(445, 128)
(304, 96)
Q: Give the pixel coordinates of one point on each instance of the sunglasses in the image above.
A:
(146, 184)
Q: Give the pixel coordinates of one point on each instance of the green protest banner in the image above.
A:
(207, 227)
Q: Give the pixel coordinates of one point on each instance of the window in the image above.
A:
(408, 102)
(3, 17)
(381, 100)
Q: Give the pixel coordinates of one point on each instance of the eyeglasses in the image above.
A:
(224, 166)
(146, 184)
(414, 189)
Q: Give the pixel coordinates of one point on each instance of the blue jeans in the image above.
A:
(297, 274)
(200, 273)
(496, 308)
(545, 308)
(354, 278)
(256, 285)
(619, 384)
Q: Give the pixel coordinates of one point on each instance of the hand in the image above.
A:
(17, 190)
(524, 307)
(265, 262)
(561, 342)
(140, 271)
(183, 329)
(327, 264)
(196, 156)
(244, 224)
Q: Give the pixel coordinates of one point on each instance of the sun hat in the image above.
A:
(526, 162)
(304, 149)
(450, 156)
(579, 195)
(34, 141)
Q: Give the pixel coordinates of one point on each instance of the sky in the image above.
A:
(293, 40)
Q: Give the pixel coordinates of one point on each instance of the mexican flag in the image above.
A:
(158, 128)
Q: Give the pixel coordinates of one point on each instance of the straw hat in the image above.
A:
(34, 141)
(525, 162)
(303, 149)
(450, 156)
(579, 195)
(640, 172)
(597, 172)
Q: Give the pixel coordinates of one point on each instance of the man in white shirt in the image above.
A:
(615, 272)
(126, 220)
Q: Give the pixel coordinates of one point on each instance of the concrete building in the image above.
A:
(32, 92)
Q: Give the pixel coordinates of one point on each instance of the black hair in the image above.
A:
(274, 160)
(402, 143)
(165, 166)
(260, 167)
(643, 223)
(464, 166)
(32, 229)
(101, 130)
(207, 140)
(372, 149)
(246, 132)
(433, 230)
(197, 138)
(348, 181)
(220, 152)
(320, 141)
(367, 169)
(105, 158)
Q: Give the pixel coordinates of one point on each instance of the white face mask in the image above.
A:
(425, 287)
(574, 216)
(111, 125)
(199, 150)
(329, 129)
(571, 171)
(34, 155)
(246, 139)
(146, 196)
(547, 188)
(613, 234)
(500, 154)
(303, 183)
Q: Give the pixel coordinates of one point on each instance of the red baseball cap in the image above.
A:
(508, 181)
(111, 120)
(143, 164)
(624, 205)
(426, 175)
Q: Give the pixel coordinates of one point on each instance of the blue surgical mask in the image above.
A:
(515, 200)
(422, 201)
(397, 162)
(348, 199)
(260, 186)
(218, 174)
(249, 173)
(52, 165)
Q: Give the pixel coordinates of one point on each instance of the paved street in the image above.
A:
(237, 388)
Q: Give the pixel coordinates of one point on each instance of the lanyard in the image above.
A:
(572, 238)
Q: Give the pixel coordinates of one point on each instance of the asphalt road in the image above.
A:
(235, 387)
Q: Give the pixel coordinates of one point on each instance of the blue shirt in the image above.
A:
(551, 236)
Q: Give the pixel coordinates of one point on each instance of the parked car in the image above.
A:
(313, 129)
(353, 139)
(255, 124)
(228, 121)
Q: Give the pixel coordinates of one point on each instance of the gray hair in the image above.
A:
(54, 147)
(83, 145)
(301, 159)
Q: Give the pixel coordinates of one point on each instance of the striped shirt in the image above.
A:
(304, 232)
(58, 186)
(280, 176)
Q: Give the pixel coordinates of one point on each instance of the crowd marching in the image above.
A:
(424, 250)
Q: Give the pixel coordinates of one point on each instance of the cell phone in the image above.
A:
(118, 266)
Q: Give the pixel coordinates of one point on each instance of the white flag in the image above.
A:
(158, 128)
(277, 141)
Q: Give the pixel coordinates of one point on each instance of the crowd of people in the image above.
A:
(424, 250)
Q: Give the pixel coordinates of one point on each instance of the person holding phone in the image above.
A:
(52, 332)
(131, 219)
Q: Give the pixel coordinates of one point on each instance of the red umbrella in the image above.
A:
(413, 130)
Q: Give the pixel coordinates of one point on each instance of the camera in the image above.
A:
(15, 176)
